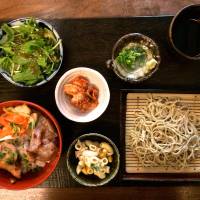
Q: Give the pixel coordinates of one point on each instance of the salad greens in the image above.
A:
(132, 56)
(29, 52)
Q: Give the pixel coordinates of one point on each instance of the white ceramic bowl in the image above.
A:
(68, 110)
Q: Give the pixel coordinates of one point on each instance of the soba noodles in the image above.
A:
(165, 133)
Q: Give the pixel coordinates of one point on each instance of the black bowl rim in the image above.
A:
(9, 79)
(170, 32)
(144, 37)
(115, 149)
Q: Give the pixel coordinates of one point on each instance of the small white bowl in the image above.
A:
(68, 110)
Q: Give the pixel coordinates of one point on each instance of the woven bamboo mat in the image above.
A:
(139, 100)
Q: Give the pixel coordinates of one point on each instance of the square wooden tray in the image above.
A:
(132, 168)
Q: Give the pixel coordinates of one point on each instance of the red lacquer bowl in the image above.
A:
(31, 179)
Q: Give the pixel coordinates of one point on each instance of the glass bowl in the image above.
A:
(136, 38)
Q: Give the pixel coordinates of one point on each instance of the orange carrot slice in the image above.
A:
(3, 122)
(6, 130)
(16, 118)
(6, 120)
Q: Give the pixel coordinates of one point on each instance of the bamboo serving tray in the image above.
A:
(139, 100)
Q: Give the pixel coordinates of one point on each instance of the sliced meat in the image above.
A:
(49, 132)
(40, 163)
(27, 160)
(13, 169)
(36, 138)
(42, 141)
(8, 158)
(34, 149)
(43, 131)
(46, 152)
(5, 146)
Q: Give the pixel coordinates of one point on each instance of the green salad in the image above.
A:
(29, 52)
(132, 56)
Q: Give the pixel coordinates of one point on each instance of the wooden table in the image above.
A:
(97, 8)
(89, 8)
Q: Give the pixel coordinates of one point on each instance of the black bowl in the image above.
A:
(91, 180)
(184, 32)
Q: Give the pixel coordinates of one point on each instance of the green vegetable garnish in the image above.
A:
(95, 167)
(131, 57)
(25, 163)
(17, 142)
(15, 128)
(31, 125)
(11, 159)
(2, 155)
(28, 52)
(9, 36)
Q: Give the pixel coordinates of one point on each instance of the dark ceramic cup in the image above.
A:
(91, 180)
(184, 32)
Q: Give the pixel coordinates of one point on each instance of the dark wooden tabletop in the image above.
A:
(62, 9)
